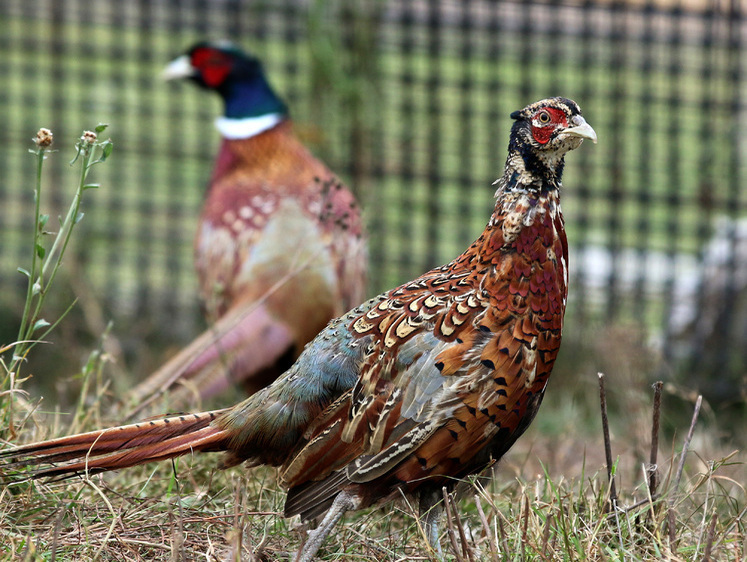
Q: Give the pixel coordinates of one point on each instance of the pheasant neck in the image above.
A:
(527, 209)
(247, 127)
(525, 172)
(254, 97)
(528, 184)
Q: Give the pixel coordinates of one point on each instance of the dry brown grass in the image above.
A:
(547, 501)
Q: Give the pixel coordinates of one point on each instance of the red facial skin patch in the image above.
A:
(542, 133)
(213, 66)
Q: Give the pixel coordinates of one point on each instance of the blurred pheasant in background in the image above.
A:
(279, 249)
(420, 386)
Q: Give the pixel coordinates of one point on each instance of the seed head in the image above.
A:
(89, 137)
(43, 138)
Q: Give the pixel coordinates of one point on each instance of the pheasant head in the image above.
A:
(543, 132)
(237, 76)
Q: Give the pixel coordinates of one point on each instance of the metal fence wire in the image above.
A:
(409, 103)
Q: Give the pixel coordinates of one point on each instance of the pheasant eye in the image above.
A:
(544, 117)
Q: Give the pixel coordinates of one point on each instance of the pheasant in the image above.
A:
(422, 385)
(279, 249)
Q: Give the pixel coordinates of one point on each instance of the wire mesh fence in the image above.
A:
(409, 103)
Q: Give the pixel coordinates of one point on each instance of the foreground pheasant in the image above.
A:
(424, 384)
(279, 250)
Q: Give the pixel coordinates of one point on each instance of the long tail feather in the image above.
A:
(240, 344)
(120, 447)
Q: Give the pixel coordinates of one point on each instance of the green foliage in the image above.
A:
(47, 255)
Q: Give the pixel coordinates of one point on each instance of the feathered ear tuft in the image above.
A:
(516, 114)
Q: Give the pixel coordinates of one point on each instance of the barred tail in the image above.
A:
(119, 447)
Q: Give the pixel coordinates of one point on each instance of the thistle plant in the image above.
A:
(47, 252)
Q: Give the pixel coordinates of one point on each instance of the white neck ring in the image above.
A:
(248, 126)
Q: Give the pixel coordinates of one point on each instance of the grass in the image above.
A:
(530, 510)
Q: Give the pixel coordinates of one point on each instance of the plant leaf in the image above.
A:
(40, 251)
(24, 271)
(101, 127)
(41, 323)
(106, 149)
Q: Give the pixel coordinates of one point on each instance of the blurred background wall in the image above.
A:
(408, 102)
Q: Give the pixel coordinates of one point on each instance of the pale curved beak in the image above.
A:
(581, 129)
(180, 67)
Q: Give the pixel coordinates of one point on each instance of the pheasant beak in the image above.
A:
(582, 129)
(178, 68)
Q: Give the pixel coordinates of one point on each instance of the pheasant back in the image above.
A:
(275, 216)
(455, 364)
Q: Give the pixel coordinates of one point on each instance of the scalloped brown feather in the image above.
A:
(459, 358)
